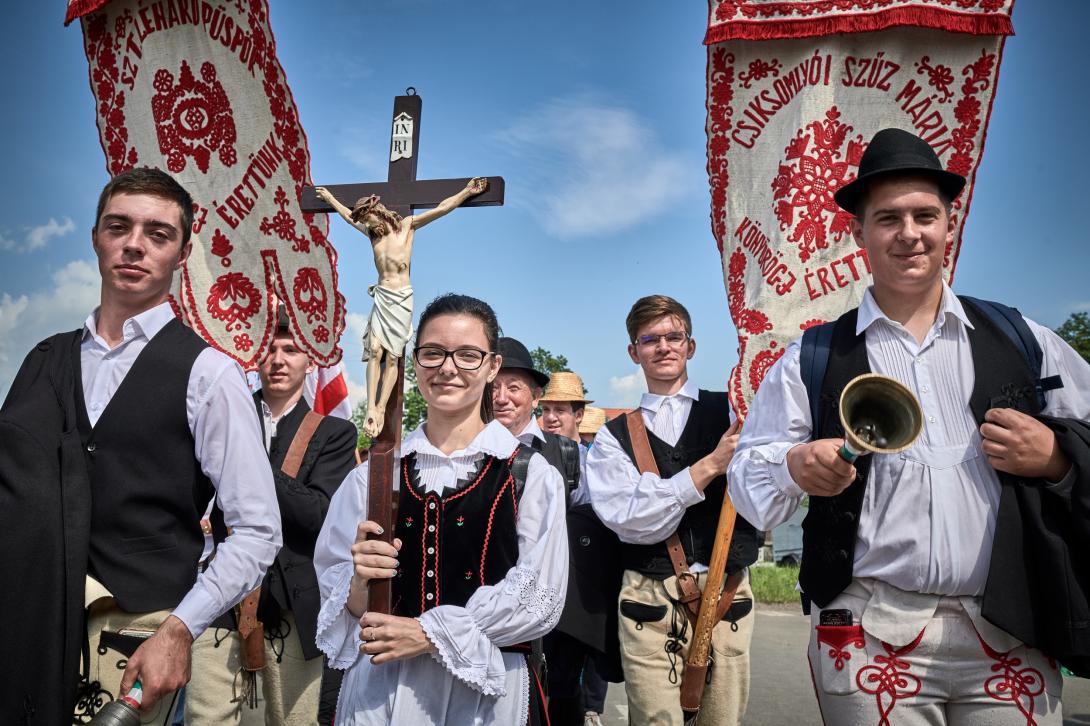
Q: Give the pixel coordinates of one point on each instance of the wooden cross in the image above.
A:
(401, 193)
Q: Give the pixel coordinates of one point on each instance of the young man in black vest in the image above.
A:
(311, 455)
(165, 423)
(667, 521)
(927, 569)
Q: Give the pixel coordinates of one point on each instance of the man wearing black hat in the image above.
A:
(929, 574)
(310, 454)
(585, 624)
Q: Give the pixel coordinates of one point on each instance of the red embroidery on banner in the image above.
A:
(889, 682)
(721, 80)
(283, 224)
(762, 362)
(810, 182)
(939, 76)
(1012, 684)
(309, 293)
(813, 322)
(321, 333)
(741, 9)
(747, 319)
(102, 49)
(243, 342)
(221, 247)
(193, 118)
(234, 299)
(838, 638)
(759, 70)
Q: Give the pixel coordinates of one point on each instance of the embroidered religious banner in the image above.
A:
(795, 92)
(194, 87)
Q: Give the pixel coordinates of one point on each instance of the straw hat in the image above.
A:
(565, 386)
(594, 418)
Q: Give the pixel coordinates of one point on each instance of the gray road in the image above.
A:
(782, 692)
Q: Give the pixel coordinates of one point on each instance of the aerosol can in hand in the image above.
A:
(122, 712)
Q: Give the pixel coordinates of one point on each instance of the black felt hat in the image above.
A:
(282, 322)
(896, 151)
(517, 357)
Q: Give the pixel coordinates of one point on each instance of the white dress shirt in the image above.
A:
(227, 443)
(469, 680)
(530, 432)
(928, 514)
(644, 508)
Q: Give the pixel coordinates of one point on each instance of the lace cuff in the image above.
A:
(338, 634)
(544, 603)
(464, 650)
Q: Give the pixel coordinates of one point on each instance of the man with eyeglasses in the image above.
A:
(666, 520)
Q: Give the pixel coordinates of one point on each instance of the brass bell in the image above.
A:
(879, 415)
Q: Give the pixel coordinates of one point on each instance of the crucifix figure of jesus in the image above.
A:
(389, 327)
(387, 212)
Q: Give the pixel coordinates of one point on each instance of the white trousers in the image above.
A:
(948, 675)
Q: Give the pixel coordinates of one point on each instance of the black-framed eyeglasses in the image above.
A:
(673, 339)
(465, 359)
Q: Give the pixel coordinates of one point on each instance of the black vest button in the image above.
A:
(585, 541)
(690, 560)
(849, 517)
(676, 456)
(842, 554)
(91, 447)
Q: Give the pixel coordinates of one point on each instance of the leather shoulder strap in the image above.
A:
(299, 443)
(520, 466)
(641, 445)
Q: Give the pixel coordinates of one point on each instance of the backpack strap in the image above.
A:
(1014, 326)
(520, 467)
(813, 360)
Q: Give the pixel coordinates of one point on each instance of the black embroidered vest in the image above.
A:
(709, 419)
(1002, 379)
(456, 541)
(148, 492)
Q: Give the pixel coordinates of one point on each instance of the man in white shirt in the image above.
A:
(166, 423)
(667, 521)
(921, 564)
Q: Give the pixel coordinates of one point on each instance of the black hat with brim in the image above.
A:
(897, 152)
(517, 357)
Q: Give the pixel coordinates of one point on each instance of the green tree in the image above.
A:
(547, 362)
(1076, 331)
(359, 413)
(414, 409)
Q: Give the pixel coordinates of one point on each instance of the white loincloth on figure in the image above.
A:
(391, 320)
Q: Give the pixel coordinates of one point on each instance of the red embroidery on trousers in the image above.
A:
(889, 679)
(838, 638)
(1013, 684)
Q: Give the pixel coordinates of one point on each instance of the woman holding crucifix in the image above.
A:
(479, 563)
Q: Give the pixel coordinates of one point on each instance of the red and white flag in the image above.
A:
(795, 92)
(326, 391)
(194, 87)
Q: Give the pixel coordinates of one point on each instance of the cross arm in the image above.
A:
(421, 194)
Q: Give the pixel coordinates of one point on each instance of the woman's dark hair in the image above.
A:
(455, 304)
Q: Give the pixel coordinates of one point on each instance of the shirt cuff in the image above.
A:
(685, 490)
(781, 474)
(197, 611)
(1064, 485)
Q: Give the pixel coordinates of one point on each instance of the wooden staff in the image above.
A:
(696, 665)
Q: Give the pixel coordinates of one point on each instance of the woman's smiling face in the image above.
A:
(449, 389)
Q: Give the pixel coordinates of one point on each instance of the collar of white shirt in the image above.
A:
(869, 312)
(494, 439)
(532, 431)
(651, 402)
(147, 323)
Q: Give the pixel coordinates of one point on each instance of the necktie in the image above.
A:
(665, 421)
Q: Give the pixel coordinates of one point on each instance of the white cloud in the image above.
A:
(627, 389)
(61, 305)
(39, 236)
(593, 168)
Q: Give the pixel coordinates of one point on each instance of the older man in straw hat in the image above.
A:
(577, 652)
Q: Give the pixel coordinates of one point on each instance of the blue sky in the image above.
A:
(593, 113)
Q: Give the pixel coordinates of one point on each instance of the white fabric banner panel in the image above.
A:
(792, 103)
(194, 87)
